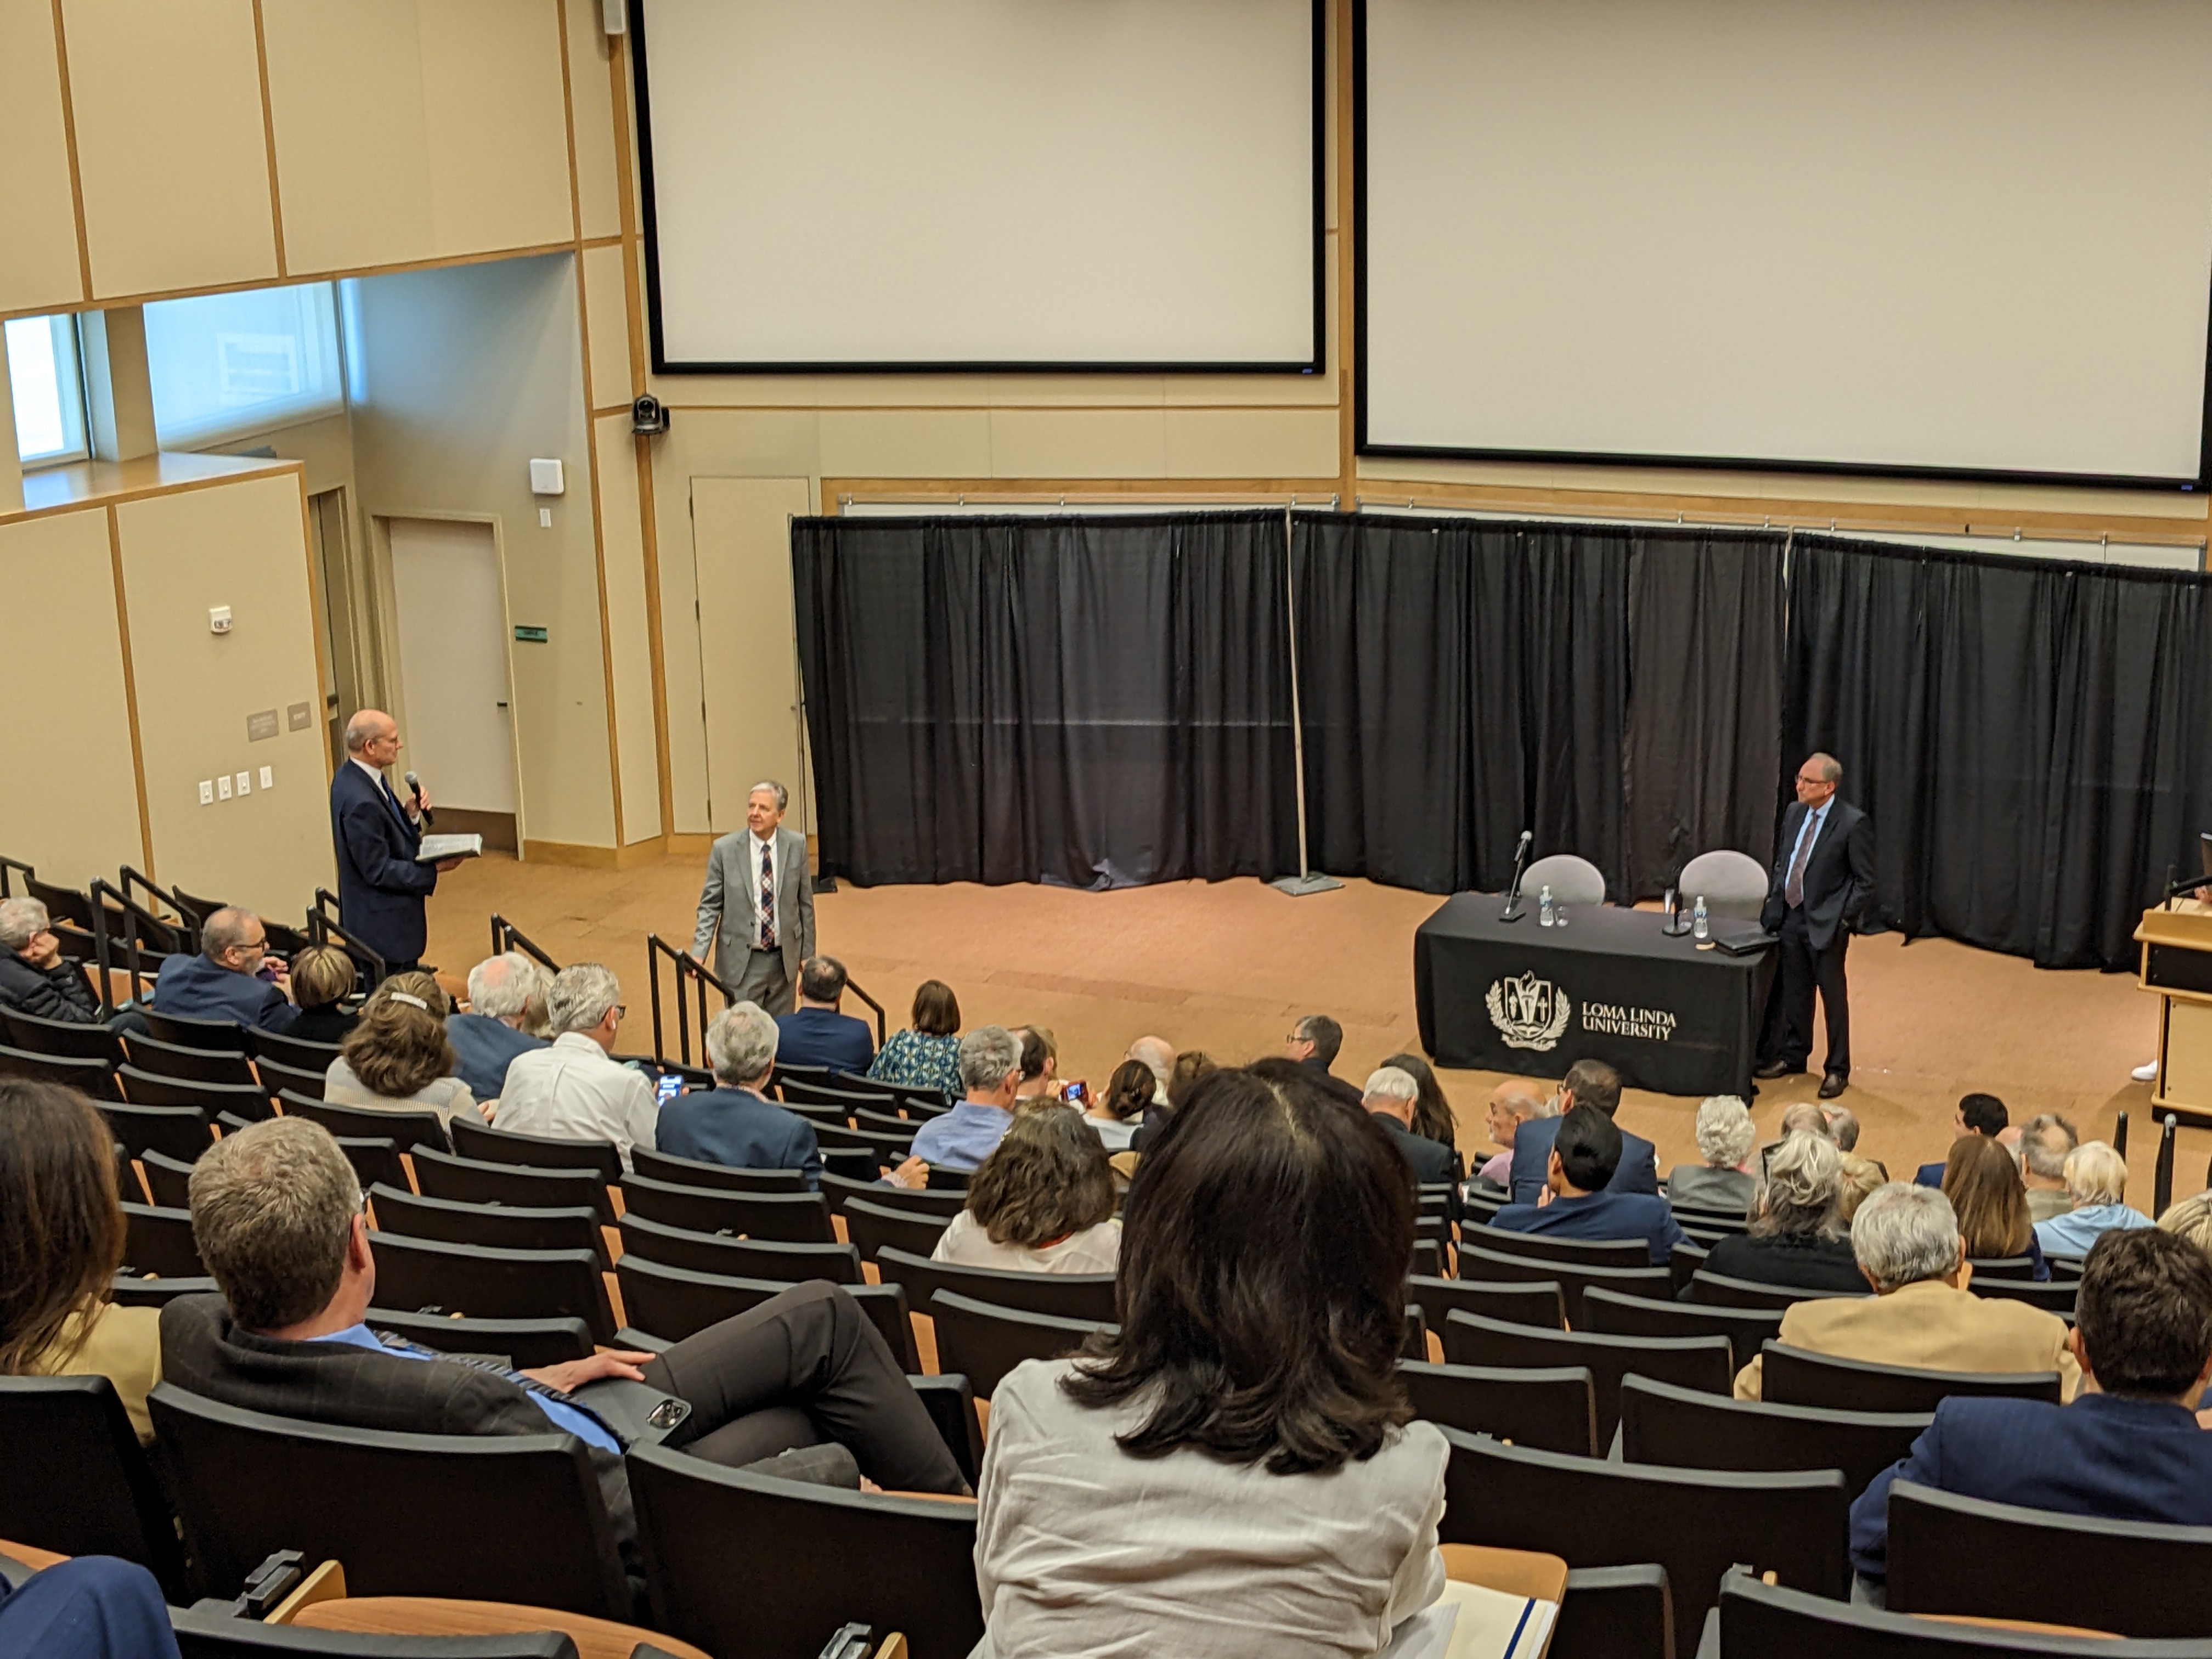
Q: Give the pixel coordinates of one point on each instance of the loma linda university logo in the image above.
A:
(1528, 1012)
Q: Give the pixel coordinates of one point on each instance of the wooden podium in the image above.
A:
(2177, 968)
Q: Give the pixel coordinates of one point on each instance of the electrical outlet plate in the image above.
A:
(268, 777)
(207, 791)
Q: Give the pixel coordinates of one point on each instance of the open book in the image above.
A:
(1471, 1621)
(436, 849)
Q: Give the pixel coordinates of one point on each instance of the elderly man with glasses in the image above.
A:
(232, 978)
(35, 977)
(573, 1091)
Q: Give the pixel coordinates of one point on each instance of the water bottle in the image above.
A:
(1545, 915)
(1699, 927)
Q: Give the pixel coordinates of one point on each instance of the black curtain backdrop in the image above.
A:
(1098, 703)
(2033, 741)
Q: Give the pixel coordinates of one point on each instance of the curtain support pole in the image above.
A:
(1306, 881)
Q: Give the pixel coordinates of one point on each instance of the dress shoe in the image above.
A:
(1833, 1084)
(1775, 1069)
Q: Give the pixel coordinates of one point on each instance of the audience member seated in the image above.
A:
(1581, 1198)
(926, 1056)
(1797, 1237)
(1843, 1126)
(1976, 1115)
(990, 1071)
(1186, 1072)
(495, 1029)
(1860, 1179)
(818, 1032)
(1389, 1098)
(1907, 1243)
(398, 1057)
(1432, 1112)
(1040, 1064)
(1588, 1082)
(571, 1089)
(94, 1607)
(735, 1124)
(225, 981)
(2129, 1448)
(1806, 1117)
(1234, 1470)
(1983, 1183)
(2044, 1145)
(2190, 1218)
(1115, 1116)
(35, 977)
(1158, 1056)
(1314, 1040)
(2097, 1181)
(1726, 1136)
(1041, 1203)
(61, 1240)
(323, 977)
(1512, 1104)
(277, 1213)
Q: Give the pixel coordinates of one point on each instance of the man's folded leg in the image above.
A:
(811, 1350)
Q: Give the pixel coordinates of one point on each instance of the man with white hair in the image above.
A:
(35, 977)
(490, 1035)
(1389, 1096)
(1906, 1239)
(570, 1090)
(757, 907)
(381, 888)
(2097, 1181)
(990, 1073)
(2043, 1146)
(1156, 1055)
(735, 1124)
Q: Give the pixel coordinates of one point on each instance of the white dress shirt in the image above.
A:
(382, 784)
(1808, 837)
(571, 1091)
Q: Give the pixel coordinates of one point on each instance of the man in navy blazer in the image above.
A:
(2129, 1448)
(733, 1123)
(224, 982)
(1588, 1082)
(1585, 1156)
(381, 886)
(816, 1033)
(1821, 885)
(1975, 1114)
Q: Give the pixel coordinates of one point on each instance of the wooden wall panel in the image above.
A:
(609, 311)
(497, 124)
(593, 96)
(38, 247)
(623, 552)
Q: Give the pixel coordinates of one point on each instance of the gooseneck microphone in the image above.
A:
(1513, 912)
(416, 784)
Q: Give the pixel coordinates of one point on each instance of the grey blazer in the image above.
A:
(730, 900)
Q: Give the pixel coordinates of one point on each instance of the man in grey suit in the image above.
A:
(758, 894)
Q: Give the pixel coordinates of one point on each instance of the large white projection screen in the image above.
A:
(1049, 183)
(1969, 235)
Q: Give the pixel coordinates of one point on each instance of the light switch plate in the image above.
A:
(222, 788)
(207, 791)
(246, 783)
(268, 777)
(544, 518)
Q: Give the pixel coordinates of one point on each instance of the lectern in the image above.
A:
(2177, 968)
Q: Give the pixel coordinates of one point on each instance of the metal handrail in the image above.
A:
(506, 936)
(323, 926)
(855, 989)
(2161, 1187)
(2120, 1133)
(101, 892)
(688, 967)
(187, 924)
(7, 863)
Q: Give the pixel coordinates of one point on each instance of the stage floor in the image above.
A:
(1226, 967)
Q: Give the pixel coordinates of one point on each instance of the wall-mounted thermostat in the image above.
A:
(545, 478)
(218, 619)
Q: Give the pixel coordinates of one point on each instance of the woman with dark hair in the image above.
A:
(927, 1055)
(1114, 1117)
(1987, 1195)
(1432, 1113)
(399, 1056)
(1041, 1203)
(1233, 1469)
(61, 1240)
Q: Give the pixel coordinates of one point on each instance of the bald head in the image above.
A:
(234, 939)
(366, 727)
(1512, 1104)
(1156, 1054)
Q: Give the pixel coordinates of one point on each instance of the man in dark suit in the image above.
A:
(487, 1037)
(1588, 1082)
(817, 1033)
(1975, 1114)
(224, 981)
(734, 1123)
(1314, 1042)
(381, 886)
(1822, 883)
(2129, 1448)
(276, 1215)
(1579, 1202)
(1388, 1099)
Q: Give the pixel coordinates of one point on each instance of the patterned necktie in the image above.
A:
(767, 898)
(1793, 885)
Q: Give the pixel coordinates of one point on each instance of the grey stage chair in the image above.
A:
(1572, 880)
(1732, 884)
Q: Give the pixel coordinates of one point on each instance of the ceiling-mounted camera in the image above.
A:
(648, 416)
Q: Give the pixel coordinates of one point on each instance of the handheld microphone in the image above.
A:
(416, 784)
(1513, 912)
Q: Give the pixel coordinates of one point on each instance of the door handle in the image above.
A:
(499, 705)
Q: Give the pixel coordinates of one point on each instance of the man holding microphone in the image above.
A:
(381, 886)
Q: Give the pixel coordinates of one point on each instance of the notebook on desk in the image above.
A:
(1471, 1621)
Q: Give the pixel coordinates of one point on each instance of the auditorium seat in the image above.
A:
(160, 1241)
(524, 1344)
(2055, 1296)
(674, 1303)
(473, 1180)
(483, 1517)
(281, 1079)
(197, 1065)
(127, 1291)
(839, 1188)
(1085, 1297)
(1615, 1613)
(1693, 1361)
(795, 1217)
(872, 1224)
(1696, 1523)
(2006, 1267)
(247, 1100)
(295, 1052)
(1716, 1221)
(60, 1036)
(168, 1180)
(209, 1631)
(374, 1158)
(1687, 1259)
(219, 1037)
(182, 1132)
(477, 1140)
(1692, 1429)
(92, 1077)
(1615, 1314)
(1539, 1303)
(404, 1126)
(801, 1089)
(865, 1118)
(1721, 1290)
(484, 1283)
(1796, 1376)
(982, 1342)
(739, 1258)
(816, 1558)
(73, 1480)
(696, 1172)
(1428, 1259)
(1576, 1252)
(1555, 1407)
(1572, 1278)
(941, 1180)
(831, 1137)
(500, 1225)
(1476, 1208)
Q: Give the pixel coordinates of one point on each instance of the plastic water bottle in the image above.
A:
(1546, 916)
(1699, 926)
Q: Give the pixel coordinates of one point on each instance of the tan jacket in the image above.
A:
(1929, 1326)
(125, 1347)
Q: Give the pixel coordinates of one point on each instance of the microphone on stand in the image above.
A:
(429, 819)
(1513, 912)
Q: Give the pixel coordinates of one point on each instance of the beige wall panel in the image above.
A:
(170, 148)
(243, 546)
(608, 313)
(324, 447)
(1073, 390)
(741, 544)
(1078, 443)
(592, 98)
(821, 391)
(497, 124)
(37, 251)
(58, 570)
(1251, 443)
(768, 443)
(679, 655)
(901, 443)
(623, 553)
(353, 159)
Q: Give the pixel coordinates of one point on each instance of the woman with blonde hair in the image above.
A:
(1798, 1235)
(1041, 1203)
(323, 977)
(2191, 1218)
(2096, 1181)
(399, 1056)
(1984, 1188)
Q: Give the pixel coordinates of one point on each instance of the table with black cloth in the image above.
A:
(1609, 986)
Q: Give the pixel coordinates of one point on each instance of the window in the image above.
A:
(227, 364)
(48, 381)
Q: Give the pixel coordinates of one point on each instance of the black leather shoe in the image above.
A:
(1833, 1084)
(1775, 1069)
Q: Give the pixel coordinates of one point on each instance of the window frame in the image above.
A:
(68, 347)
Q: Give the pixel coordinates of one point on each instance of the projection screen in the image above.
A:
(981, 183)
(1965, 236)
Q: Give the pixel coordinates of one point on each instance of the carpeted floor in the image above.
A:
(1226, 967)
